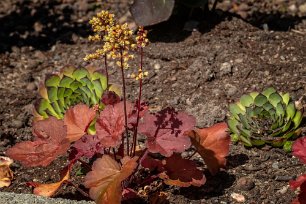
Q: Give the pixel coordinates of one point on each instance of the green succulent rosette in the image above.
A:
(262, 118)
(69, 87)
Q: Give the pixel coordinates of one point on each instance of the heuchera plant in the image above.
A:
(82, 114)
(299, 150)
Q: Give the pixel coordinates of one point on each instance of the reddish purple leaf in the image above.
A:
(151, 163)
(110, 124)
(165, 131)
(181, 172)
(299, 149)
(87, 146)
(50, 143)
(299, 182)
(110, 98)
(133, 116)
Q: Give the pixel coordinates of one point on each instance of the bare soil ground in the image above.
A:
(244, 46)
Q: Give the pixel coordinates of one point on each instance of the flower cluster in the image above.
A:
(141, 38)
(117, 39)
(140, 75)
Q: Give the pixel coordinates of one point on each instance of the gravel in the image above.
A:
(13, 198)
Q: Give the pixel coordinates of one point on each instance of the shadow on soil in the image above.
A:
(39, 26)
(214, 186)
(174, 30)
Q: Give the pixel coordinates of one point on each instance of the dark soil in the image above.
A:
(200, 69)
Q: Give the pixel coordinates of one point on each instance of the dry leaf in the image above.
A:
(6, 174)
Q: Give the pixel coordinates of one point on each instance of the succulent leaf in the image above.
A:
(262, 118)
(67, 88)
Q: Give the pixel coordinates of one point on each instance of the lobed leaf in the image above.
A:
(106, 176)
(50, 142)
(165, 131)
(212, 144)
(181, 172)
(300, 182)
(87, 146)
(77, 119)
(111, 124)
(299, 149)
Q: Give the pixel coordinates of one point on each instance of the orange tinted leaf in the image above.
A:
(49, 143)
(50, 189)
(106, 176)
(212, 144)
(77, 119)
(110, 124)
(6, 174)
(181, 172)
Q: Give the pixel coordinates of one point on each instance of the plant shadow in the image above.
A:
(174, 30)
(236, 160)
(40, 26)
(214, 186)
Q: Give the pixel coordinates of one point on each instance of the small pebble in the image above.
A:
(275, 165)
(16, 123)
(225, 68)
(238, 197)
(157, 66)
(245, 184)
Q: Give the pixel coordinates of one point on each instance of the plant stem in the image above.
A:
(106, 69)
(124, 103)
(78, 189)
(138, 104)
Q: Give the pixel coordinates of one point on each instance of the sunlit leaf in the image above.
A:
(77, 119)
(165, 131)
(111, 124)
(212, 144)
(299, 149)
(104, 181)
(50, 142)
(300, 182)
(6, 174)
(181, 172)
(87, 146)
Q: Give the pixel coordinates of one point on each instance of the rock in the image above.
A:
(302, 8)
(230, 90)
(238, 197)
(245, 184)
(292, 8)
(225, 68)
(283, 190)
(16, 123)
(31, 86)
(157, 66)
(275, 165)
(38, 27)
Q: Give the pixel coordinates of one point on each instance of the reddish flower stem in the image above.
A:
(106, 69)
(138, 104)
(124, 103)
(77, 188)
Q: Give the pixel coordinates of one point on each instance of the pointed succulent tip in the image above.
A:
(42, 90)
